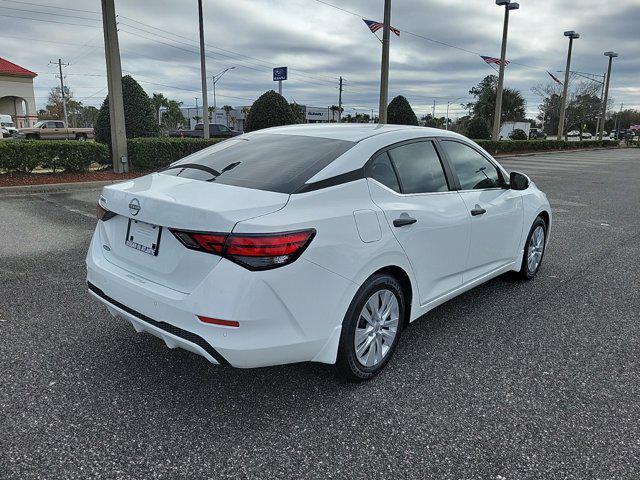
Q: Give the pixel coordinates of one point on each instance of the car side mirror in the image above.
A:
(518, 181)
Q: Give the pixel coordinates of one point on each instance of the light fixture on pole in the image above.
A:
(563, 102)
(215, 80)
(611, 56)
(497, 117)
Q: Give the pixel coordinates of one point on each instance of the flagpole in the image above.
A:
(384, 74)
(503, 54)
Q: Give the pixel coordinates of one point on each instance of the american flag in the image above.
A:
(375, 26)
(493, 60)
(555, 79)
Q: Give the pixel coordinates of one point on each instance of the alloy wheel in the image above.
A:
(536, 249)
(377, 328)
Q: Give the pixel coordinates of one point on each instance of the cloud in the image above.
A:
(319, 44)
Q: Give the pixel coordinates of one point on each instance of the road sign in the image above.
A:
(279, 74)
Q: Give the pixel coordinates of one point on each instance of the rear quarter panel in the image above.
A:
(337, 246)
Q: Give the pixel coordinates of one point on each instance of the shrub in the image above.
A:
(399, 112)
(478, 128)
(68, 155)
(139, 116)
(515, 146)
(159, 152)
(270, 110)
(518, 134)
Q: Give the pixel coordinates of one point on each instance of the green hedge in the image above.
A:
(514, 146)
(158, 152)
(67, 155)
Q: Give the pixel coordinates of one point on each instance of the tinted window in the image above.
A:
(382, 171)
(222, 128)
(473, 169)
(419, 168)
(59, 125)
(278, 163)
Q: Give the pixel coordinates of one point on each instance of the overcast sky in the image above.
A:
(319, 43)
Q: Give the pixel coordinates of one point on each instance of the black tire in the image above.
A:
(32, 136)
(81, 137)
(347, 364)
(525, 272)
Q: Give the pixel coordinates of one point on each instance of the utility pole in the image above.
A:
(384, 73)
(203, 73)
(611, 56)
(565, 88)
(497, 117)
(340, 102)
(447, 119)
(64, 98)
(433, 110)
(114, 84)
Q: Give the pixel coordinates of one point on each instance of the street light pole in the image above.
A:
(114, 84)
(215, 79)
(497, 117)
(611, 56)
(384, 74)
(563, 103)
(203, 74)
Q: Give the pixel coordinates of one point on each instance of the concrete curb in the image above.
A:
(54, 187)
(548, 152)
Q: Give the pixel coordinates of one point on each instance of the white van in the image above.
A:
(6, 124)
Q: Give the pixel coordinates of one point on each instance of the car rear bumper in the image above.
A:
(286, 315)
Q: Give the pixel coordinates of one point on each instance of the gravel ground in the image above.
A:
(510, 380)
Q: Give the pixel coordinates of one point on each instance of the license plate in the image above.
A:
(143, 236)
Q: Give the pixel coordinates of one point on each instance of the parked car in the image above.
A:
(537, 134)
(8, 127)
(216, 130)
(311, 242)
(586, 136)
(55, 130)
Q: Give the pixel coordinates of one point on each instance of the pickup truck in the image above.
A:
(215, 131)
(55, 130)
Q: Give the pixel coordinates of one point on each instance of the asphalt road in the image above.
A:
(511, 380)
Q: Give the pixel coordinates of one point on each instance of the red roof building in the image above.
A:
(17, 97)
(10, 68)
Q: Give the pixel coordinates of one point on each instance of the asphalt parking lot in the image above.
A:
(510, 380)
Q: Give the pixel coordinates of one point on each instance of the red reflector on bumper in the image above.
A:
(216, 321)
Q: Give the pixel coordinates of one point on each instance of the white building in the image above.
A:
(16, 93)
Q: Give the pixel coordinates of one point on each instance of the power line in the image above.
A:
(55, 14)
(49, 6)
(268, 63)
(49, 21)
(423, 37)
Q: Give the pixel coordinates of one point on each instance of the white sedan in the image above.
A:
(311, 242)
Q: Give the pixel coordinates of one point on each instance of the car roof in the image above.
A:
(353, 132)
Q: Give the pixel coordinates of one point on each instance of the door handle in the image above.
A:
(478, 211)
(404, 221)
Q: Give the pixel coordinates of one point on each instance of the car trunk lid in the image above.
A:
(166, 201)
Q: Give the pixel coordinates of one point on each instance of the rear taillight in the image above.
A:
(252, 251)
(104, 214)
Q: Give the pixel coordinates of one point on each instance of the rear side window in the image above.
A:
(277, 163)
(382, 171)
(474, 171)
(419, 168)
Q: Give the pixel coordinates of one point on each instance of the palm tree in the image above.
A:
(158, 101)
(227, 109)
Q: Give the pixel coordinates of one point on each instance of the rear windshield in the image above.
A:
(277, 163)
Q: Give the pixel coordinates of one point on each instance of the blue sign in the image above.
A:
(279, 73)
